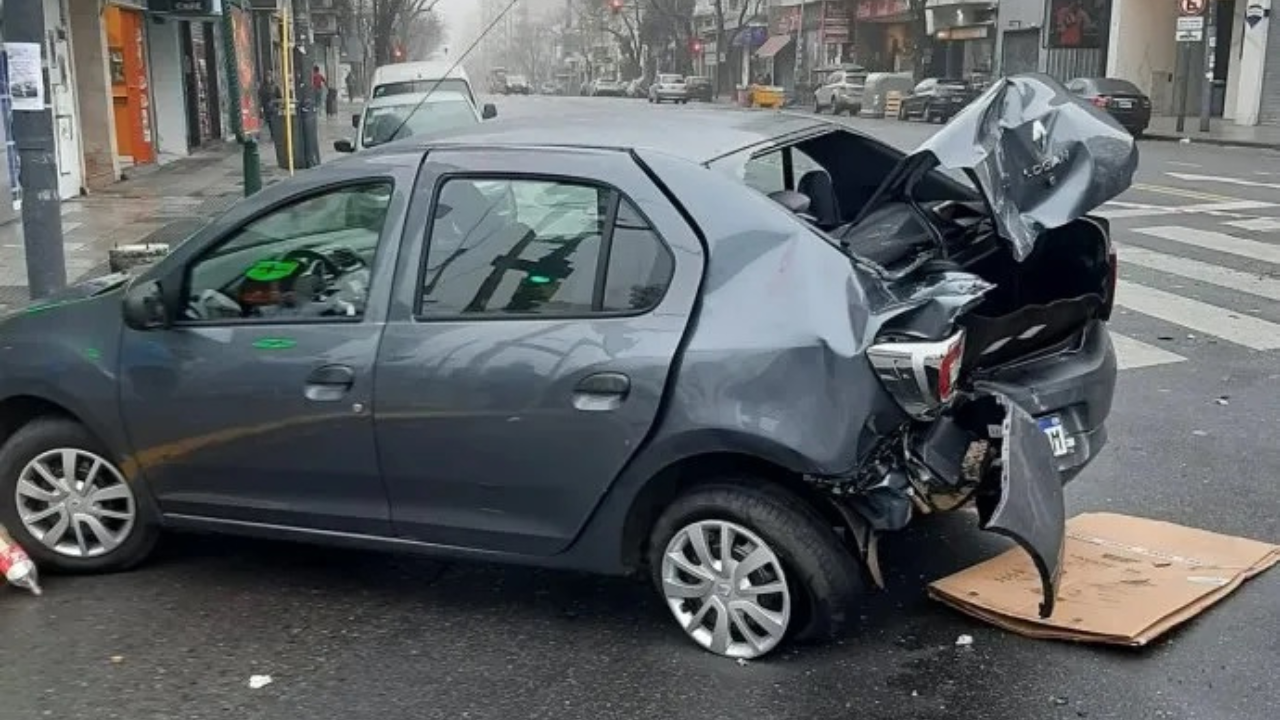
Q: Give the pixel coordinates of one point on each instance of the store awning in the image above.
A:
(773, 45)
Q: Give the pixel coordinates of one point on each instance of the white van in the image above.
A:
(421, 77)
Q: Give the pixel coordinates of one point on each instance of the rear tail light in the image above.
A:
(1102, 101)
(921, 376)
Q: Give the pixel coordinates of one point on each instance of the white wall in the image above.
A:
(1253, 57)
(1142, 49)
(166, 91)
(1233, 67)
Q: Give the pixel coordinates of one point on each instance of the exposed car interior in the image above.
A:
(945, 225)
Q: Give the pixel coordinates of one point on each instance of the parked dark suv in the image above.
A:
(1121, 99)
(716, 358)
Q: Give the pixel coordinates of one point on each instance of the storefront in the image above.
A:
(186, 56)
(964, 39)
(881, 35)
(130, 84)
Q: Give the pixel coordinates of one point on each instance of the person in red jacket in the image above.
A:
(318, 84)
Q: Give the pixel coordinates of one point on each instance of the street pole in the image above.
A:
(37, 153)
(251, 162)
(1206, 85)
(1184, 71)
(286, 88)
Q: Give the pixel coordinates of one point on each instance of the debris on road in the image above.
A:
(257, 682)
(964, 641)
(16, 566)
(117, 659)
(1125, 580)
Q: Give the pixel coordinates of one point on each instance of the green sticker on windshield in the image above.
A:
(275, 344)
(271, 270)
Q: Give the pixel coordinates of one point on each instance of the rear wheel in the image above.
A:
(817, 106)
(745, 565)
(68, 504)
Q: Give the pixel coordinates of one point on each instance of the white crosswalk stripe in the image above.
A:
(1260, 278)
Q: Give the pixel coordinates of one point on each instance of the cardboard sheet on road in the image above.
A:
(1125, 580)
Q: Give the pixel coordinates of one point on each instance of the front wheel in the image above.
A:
(68, 504)
(744, 565)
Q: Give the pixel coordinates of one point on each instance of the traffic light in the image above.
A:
(695, 46)
(615, 6)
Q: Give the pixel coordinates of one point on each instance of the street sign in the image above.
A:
(1192, 7)
(1188, 35)
(1194, 23)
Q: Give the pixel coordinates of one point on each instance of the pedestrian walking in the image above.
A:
(318, 84)
(351, 86)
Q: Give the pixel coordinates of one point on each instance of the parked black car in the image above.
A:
(935, 100)
(699, 88)
(719, 358)
(1120, 98)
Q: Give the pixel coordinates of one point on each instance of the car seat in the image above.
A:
(821, 191)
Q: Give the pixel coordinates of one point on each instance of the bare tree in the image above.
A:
(727, 36)
(390, 19)
(671, 29)
(533, 47)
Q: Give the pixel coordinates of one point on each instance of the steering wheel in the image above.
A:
(311, 256)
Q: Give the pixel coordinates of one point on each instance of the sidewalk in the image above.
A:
(1221, 132)
(157, 204)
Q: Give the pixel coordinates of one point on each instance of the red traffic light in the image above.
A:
(615, 5)
(696, 47)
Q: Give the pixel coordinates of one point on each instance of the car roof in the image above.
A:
(397, 99)
(424, 70)
(681, 134)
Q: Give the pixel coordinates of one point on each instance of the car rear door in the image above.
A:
(533, 327)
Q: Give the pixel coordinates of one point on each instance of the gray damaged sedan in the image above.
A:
(728, 359)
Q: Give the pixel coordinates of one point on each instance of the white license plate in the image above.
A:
(1061, 442)
(1124, 104)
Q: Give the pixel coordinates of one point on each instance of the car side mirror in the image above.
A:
(343, 146)
(489, 112)
(144, 308)
(355, 121)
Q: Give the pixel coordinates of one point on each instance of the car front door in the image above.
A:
(533, 327)
(255, 406)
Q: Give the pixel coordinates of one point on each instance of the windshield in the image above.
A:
(457, 85)
(380, 123)
(669, 79)
(1116, 87)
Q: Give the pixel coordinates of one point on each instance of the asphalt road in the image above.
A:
(356, 635)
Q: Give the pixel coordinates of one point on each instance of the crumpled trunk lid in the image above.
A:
(1041, 157)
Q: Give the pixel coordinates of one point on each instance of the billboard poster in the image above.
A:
(1077, 24)
(250, 119)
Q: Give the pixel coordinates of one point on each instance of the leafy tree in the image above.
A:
(725, 38)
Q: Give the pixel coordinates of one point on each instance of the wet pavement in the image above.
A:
(347, 634)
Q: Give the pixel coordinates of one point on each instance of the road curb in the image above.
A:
(1219, 142)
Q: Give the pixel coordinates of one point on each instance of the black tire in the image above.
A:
(902, 113)
(41, 436)
(822, 575)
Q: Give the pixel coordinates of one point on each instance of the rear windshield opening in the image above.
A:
(1116, 87)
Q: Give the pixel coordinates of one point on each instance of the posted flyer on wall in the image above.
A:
(26, 86)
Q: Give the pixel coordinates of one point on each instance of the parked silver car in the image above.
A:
(669, 88)
(720, 359)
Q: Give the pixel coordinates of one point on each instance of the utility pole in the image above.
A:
(1210, 51)
(37, 150)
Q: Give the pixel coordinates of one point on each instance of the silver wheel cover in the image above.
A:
(75, 503)
(726, 588)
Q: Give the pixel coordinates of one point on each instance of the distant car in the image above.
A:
(840, 92)
(638, 88)
(1120, 98)
(669, 88)
(935, 100)
(518, 85)
(551, 88)
(699, 88)
(608, 87)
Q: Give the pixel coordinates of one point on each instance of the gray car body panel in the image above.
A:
(505, 389)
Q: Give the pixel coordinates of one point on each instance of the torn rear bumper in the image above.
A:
(1055, 410)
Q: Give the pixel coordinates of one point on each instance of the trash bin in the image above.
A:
(310, 132)
(300, 155)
